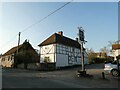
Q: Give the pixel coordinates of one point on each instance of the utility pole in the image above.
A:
(18, 41)
(81, 42)
(15, 61)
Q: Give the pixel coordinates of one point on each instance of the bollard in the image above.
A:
(103, 75)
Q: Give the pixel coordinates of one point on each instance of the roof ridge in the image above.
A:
(13, 49)
(56, 38)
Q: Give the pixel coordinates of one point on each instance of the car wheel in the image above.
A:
(115, 73)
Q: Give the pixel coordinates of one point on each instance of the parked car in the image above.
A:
(112, 68)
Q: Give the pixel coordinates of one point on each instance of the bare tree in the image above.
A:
(91, 55)
(104, 50)
(108, 48)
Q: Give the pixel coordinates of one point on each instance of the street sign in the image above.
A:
(81, 34)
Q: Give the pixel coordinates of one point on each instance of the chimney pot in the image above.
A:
(60, 33)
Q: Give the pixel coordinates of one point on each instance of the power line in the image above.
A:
(46, 16)
(38, 22)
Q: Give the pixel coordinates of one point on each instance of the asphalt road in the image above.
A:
(67, 78)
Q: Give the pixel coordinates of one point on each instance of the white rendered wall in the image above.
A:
(47, 51)
(51, 57)
(115, 53)
(61, 60)
(7, 61)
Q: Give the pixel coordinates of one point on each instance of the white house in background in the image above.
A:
(116, 49)
(7, 59)
(61, 50)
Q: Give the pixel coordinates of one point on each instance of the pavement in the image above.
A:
(65, 78)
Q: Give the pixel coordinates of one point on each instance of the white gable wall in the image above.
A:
(47, 51)
(51, 58)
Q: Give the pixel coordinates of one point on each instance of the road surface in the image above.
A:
(67, 78)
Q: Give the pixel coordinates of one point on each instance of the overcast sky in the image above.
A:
(98, 19)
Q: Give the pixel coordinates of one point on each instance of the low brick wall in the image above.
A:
(20, 65)
(32, 66)
(38, 66)
(47, 66)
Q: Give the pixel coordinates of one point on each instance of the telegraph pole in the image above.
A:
(18, 41)
(15, 61)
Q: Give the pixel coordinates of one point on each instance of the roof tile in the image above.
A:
(56, 38)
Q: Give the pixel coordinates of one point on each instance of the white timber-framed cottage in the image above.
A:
(61, 51)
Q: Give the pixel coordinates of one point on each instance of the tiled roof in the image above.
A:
(12, 50)
(56, 38)
(115, 46)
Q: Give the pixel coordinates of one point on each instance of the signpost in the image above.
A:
(81, 42)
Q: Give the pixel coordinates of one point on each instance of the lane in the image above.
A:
(36, 82)
(20, 78)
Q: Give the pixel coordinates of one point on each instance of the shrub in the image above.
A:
(99, 60)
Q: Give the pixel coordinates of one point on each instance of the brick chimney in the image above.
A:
(76, 39)
(60, 33)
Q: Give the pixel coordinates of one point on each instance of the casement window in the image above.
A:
(64, 52)
(46, 48)
(9, 58)
(73, 49)
(69, 60)
(70, 49)
(69, 53)
(3, 59)
(75, 59)
(66, 48)
(46, 59)
(72, 59)
(61, 49)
